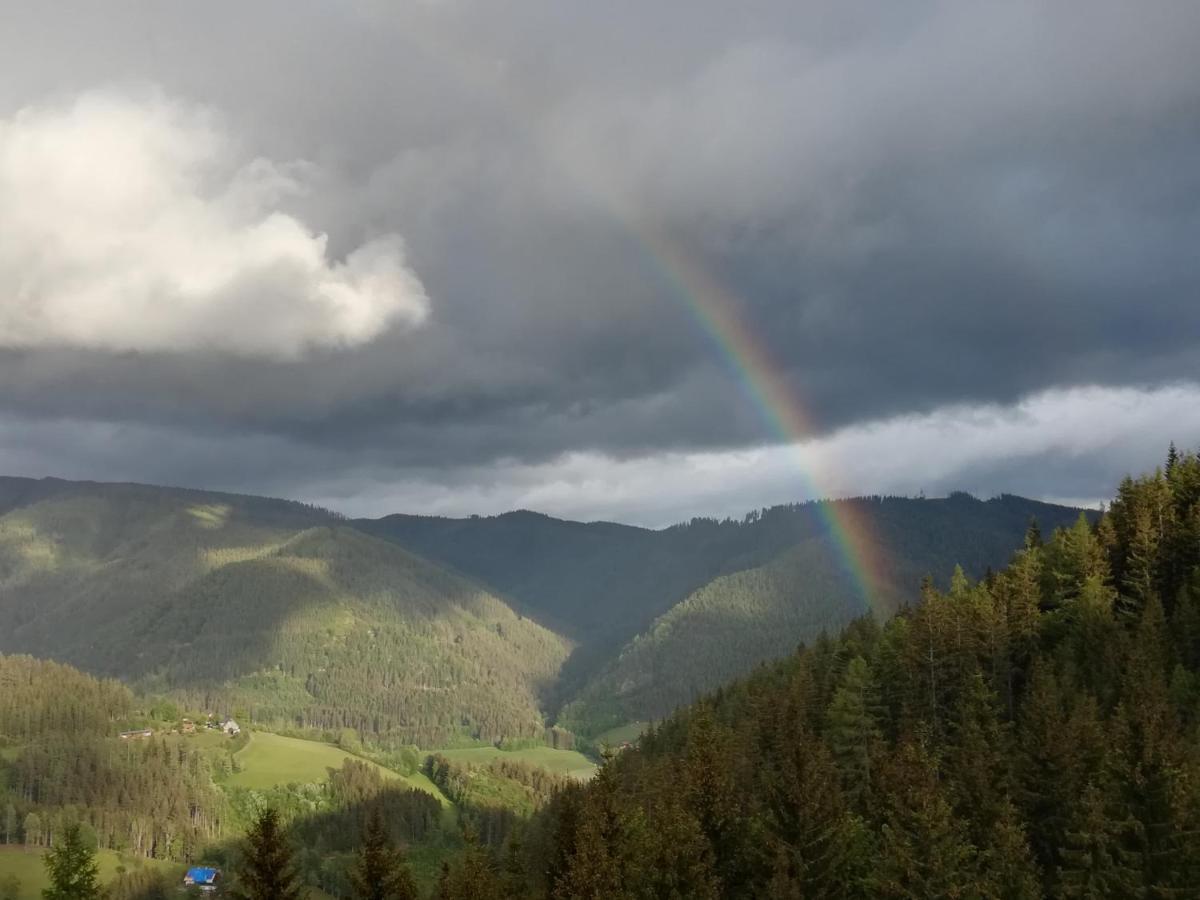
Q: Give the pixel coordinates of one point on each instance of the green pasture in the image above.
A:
(271, 759)
(28, 868)
(561, 762)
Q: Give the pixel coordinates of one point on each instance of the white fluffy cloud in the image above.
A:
(131, 223)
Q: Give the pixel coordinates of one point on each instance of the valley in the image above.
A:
(458, 675)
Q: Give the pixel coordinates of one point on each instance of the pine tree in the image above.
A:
(815, 834)
(1095, 864)
(594, 869)
(380, 872)
(924, 851)
(71, 868)
(978, 760)
(445, 888)
(266, 871)
(1008, 868)
(477, 874)
(851, 730)
(1033, 534)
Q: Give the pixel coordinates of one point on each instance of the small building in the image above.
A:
(231, 727)
(204, 877)
(187, 726)
(139, 734)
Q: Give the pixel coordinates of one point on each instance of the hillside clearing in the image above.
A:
(28, 868)
(561, 762)
(271, 759)
(614, 737)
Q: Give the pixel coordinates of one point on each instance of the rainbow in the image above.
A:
(714, 309)
(710, 304)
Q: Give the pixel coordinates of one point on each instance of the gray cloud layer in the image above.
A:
(915, 205)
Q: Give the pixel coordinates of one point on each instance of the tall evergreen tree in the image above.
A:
(71, 868)
(380, 872)
(852, 729)
(924, 851)
(266, 871)
(1096, 863)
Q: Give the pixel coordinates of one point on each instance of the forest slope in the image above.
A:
(1032, 734)
(762, 612)
(270, 610)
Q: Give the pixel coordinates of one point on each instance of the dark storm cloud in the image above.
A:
(913, 204)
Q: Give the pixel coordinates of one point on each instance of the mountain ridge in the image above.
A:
(126, 579)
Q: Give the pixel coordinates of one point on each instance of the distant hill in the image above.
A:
(423, 629)
(662, 615)
(266, 608)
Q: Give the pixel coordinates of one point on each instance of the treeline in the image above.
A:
(1033, 734)
(154, 798)
(66, 766)
(40, 698)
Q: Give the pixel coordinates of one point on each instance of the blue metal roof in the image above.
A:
(202, 875)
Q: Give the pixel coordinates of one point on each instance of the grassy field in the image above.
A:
(270, 759)
(32, 874)
(562, 762)
(614, 737)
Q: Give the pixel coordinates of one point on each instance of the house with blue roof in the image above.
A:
(204, 877)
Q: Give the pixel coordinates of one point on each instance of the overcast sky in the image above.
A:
(394, 256)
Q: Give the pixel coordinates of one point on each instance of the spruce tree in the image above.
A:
(71, 868)
(851, 728)
(1008, 868)
(923, 848)
(445, 887)
(266, 871)
(1095, 862)
(477, 874)
(380, 872)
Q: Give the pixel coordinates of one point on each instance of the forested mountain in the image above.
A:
(267, 609)
(598, 581)
(663, 616)
(290, 615)
(1032, 734)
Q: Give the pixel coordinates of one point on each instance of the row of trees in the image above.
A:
(153, 799)
(267, 870)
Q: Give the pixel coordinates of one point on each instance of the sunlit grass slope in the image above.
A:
(269, 760)
(29, 869)
(561, 762)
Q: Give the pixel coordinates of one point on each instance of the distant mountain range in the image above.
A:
(419, 629)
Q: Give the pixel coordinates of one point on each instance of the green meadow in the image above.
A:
(271, 759)
(614, 737)
(561, 762)
(28, 868)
